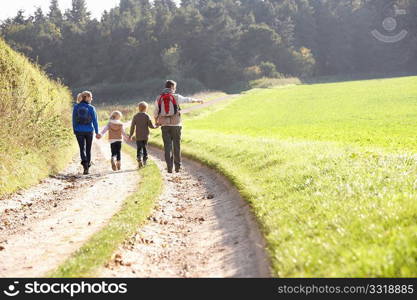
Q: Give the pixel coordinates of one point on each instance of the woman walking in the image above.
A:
(85, 123)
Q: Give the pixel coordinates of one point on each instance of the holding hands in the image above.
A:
(98, 136)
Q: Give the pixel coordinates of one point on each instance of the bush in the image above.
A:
(238, 87)
(252, 73)
(268, 69)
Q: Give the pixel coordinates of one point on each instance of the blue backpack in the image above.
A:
(83, 116)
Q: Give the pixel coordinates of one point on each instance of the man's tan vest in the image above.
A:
(174, 120)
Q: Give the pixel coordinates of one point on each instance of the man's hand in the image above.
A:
(98, 136)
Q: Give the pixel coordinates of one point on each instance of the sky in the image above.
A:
(9, 8)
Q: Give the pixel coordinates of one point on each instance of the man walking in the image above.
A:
(168, 116)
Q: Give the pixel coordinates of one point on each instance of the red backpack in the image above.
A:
(166, 99)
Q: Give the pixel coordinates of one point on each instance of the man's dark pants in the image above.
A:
(85, 142)
(172, 145)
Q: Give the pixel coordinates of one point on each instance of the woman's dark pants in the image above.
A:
(85, 141)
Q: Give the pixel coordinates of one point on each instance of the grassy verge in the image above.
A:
(35, 113)
(21, 171)
(100, 247)
(328, 170)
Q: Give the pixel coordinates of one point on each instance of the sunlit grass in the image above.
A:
(330, 171)
(35, 132)
(374, 112)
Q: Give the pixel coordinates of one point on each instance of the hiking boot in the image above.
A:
(140, 164)
(86, 167)
(170, 171)
(119, 165)
(113, 164)
(177, 169)
(145, 162)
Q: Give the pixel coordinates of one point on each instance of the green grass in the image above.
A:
(330, 171)
(96, 252)
(35, 112)
(366, 113)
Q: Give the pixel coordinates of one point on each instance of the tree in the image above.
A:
(78, 14)
(217, 42)
(252, 44)
(19, 19)
(55, 14)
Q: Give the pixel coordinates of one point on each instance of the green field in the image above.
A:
(329, 169)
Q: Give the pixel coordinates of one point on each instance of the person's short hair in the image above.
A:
(116, 114)
(170, 84)
(143, 106)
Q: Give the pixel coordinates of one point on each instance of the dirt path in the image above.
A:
(200, 228)
(207, 104)
(42, 226)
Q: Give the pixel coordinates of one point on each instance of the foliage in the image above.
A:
(35, 114)
(268, 69)
(215, 42)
